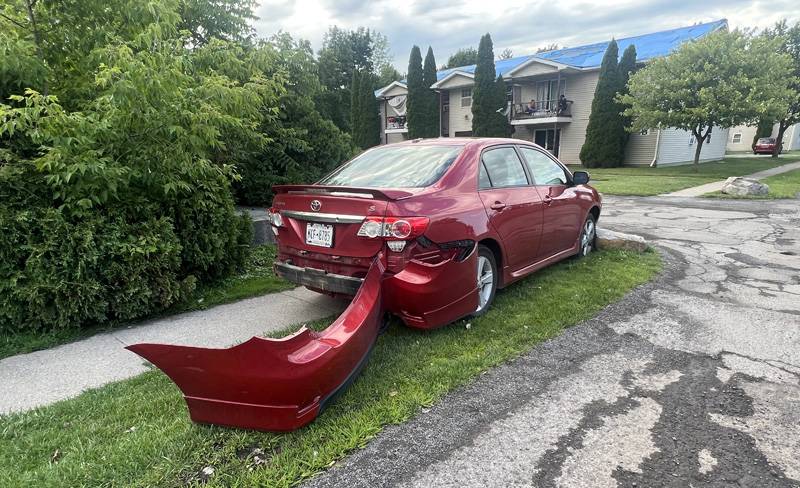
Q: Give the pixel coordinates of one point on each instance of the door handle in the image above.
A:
(547, 200)
(499, 206)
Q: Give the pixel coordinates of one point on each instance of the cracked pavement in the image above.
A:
(691, 380)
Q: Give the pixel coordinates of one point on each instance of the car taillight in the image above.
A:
(275, 217)
(393, 228)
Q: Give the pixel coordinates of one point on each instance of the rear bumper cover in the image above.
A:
(318, 279)
(275, 384)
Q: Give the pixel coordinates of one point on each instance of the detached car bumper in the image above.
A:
(318, 279)
(275, 384)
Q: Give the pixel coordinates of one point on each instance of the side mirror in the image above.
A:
(580, 178)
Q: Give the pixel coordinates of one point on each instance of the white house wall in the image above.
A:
(674, 147)
(460, 117)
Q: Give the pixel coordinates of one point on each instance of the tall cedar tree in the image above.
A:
(364, 117)
(431, 100)
(603, 146)
(488, 95)
(415, 104)
(627, 65)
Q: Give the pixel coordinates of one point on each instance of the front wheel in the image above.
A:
(487, 280)
(588, 236)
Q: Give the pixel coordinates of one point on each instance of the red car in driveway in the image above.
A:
(765, 145)
(452, 220)
(426, 230)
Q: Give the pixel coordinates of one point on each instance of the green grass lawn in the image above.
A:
(256, 279)
(786, 185)
(137, 432)
(654, 181)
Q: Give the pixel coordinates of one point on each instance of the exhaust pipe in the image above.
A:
(275, 384)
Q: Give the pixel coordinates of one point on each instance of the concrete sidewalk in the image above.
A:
(697, 191)
(43, 377)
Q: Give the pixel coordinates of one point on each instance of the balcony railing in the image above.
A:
(395, 122)
(541, 109)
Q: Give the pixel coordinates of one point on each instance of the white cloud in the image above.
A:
(519, 26)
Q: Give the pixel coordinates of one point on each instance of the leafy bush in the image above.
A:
(58, 273)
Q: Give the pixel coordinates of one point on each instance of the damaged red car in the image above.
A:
(452, 220)
(427, 230)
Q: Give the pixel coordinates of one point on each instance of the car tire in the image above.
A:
(588, 238)
(487, 267)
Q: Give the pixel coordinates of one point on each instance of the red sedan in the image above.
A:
(452, 220)
(427, 230)
(765, 145)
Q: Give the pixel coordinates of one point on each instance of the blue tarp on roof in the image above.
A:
(648, 46)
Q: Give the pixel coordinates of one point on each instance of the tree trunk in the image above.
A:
(29, 4)
(782, 126)
(699, 138)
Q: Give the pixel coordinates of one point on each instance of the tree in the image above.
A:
(218, 19)
(488, 95)
(506, 54)
(605, 133)
(788, 41)
(549, 47)
(430, 104)
(722, 80)
(463, 57)
(364, 111)
(763, 129)
(415, 103)
(627, 65)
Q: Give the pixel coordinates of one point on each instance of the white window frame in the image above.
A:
(737, 138)
(466, 101)
(644, 132)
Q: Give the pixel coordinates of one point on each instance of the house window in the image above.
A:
(466, 97)
(644, 132)
(737, 138)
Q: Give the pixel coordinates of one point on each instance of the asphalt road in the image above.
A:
(691, 380)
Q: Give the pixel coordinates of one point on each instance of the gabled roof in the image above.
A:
(648, 46)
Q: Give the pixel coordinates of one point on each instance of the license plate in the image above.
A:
(319, 235)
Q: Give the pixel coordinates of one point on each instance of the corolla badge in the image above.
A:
(316, 205)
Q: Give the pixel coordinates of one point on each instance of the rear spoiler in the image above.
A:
(349, 191)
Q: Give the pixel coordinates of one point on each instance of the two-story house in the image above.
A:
(539, 113)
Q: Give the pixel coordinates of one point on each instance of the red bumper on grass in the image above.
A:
(275, 384)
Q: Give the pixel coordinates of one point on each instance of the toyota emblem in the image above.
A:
(316, 205)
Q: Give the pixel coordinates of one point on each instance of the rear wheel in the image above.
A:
(588, 236)
(487, 280)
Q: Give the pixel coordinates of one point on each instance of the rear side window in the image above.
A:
(503, 168)
(411, 166)
(545, 171)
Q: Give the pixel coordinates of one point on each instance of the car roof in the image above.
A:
(462, 141)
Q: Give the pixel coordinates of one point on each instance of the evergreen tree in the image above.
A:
(415, 111)
(431, 99)
(603, 146)
(627, 65)
(365, 120)
(487, 98)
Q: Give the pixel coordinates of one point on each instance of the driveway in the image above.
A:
(691, 380)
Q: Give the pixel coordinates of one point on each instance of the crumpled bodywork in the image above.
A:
(275, 384)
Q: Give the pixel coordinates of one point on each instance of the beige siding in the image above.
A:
(745, 144)
(535, 69)
(458, 80)
(460, 117)
(396, 90)
(674, 147)
(641, 148)
(580, 89)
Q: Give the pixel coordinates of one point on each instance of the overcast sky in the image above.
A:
(519, 25)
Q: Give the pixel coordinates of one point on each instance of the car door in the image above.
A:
(514, 206)
(562, 217)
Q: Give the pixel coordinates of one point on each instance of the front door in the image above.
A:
(549, 139)
(563, 217)
(513, 206)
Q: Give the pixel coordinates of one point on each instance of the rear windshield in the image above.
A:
(766, 140)
(413, 166)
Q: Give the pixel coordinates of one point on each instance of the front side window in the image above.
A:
(466, 97)
(737, 138)
(545, 171)
(412, 166)
(503, 168)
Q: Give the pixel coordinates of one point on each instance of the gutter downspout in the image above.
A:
(654, 162)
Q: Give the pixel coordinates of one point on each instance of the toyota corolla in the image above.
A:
(452, 220)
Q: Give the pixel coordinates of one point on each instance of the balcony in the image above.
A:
(396, 124)
(541, 112)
